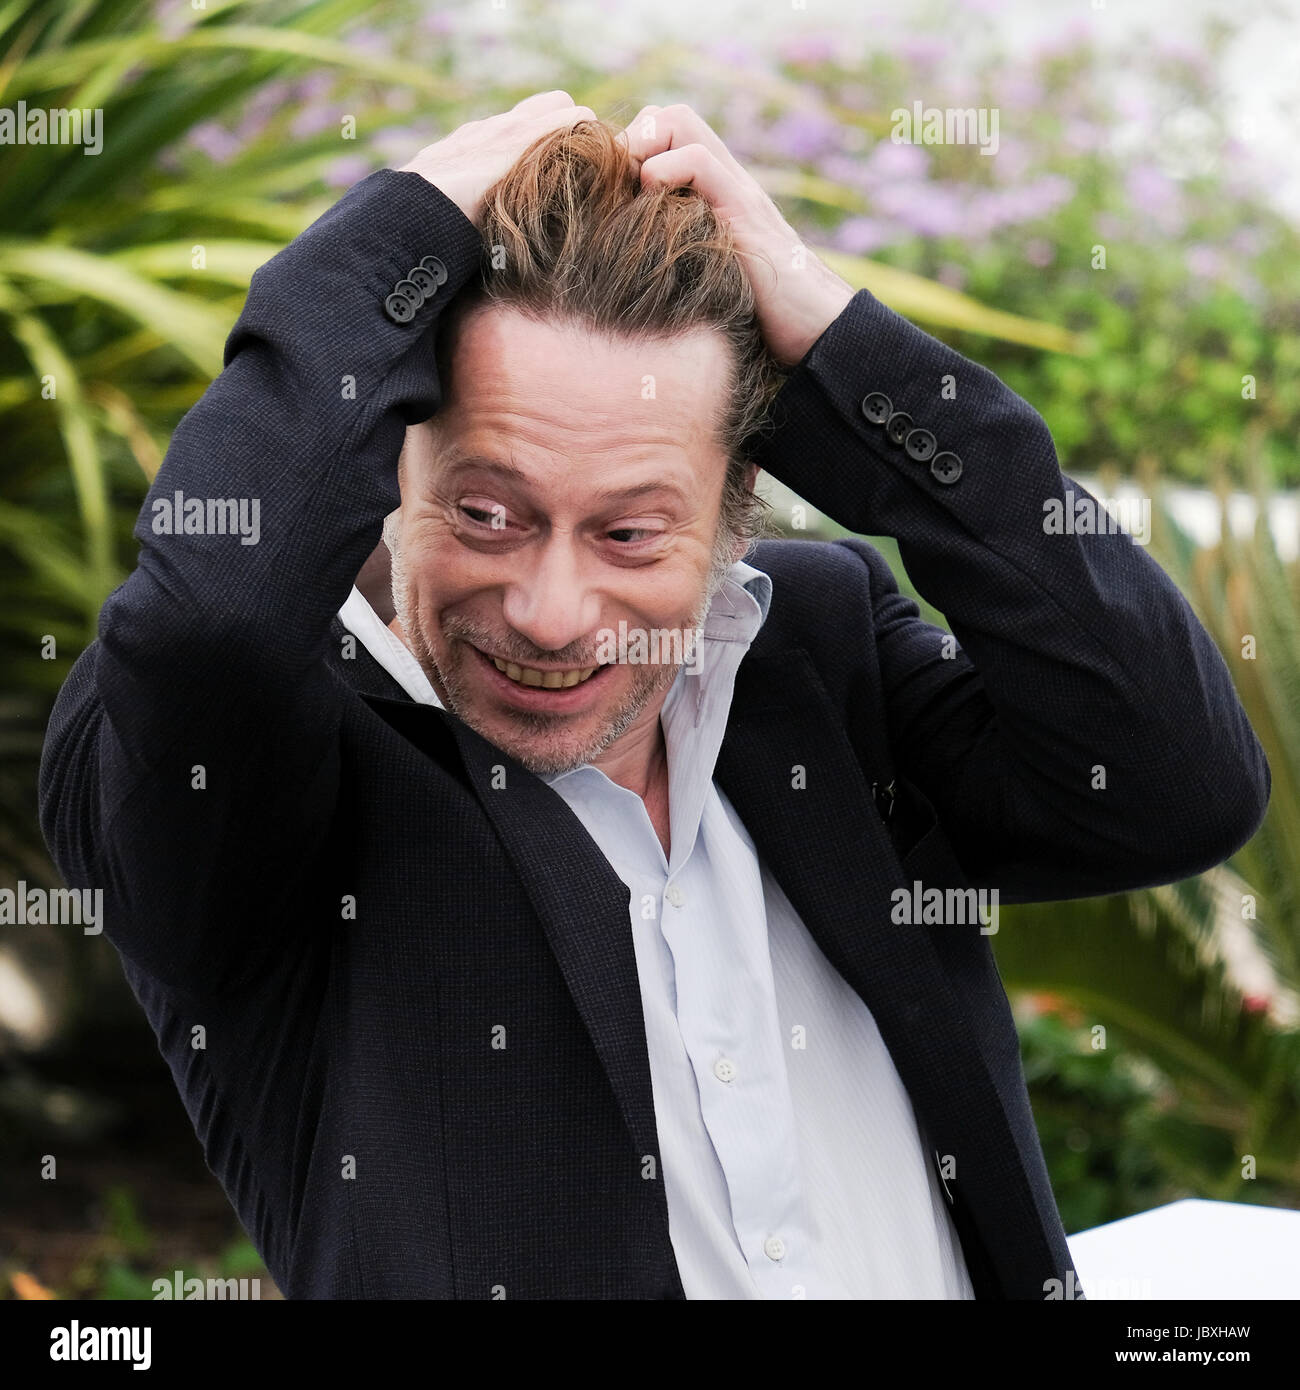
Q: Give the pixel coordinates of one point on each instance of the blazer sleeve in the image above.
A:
(1082, 735)
(191, 764)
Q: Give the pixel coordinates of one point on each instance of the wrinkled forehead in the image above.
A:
(543, 406)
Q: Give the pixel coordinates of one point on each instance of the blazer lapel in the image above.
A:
(582, 903)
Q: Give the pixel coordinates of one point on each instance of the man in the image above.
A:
(499, 951)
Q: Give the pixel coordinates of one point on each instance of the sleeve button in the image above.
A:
(877, 407)
(423, 280)
(399, 308)
(408, 289)
(946, 468)
(898, 425)
(920, 445)
(435, 268)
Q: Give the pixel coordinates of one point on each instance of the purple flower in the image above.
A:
(889, 162)
(1205, 262)
(1012, 160)
(399, 142)
(803, 134)
(1052, 191)
(731, 52)
(1249, 241)
(1039, 252)
(264, 103)
(215, 141)
(311, 120)
(346, 170)
(922, 50)
(1082, 136)
(1133, 105)
(1007, 207)
(740, 116)
(928, 209)
(860, 236)
(848, 170)
(1021, 89)
(1154, 196)
(808, 48)
(316, 85)
(1064, 41)
(174, 17)
(373, 41)
(1149, 189)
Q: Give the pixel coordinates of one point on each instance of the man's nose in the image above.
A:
(550, 602)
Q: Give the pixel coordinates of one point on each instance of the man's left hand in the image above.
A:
(798, 297)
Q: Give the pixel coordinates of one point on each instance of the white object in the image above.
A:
(1192, 1249)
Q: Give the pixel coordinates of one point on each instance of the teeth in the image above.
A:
(547, 680)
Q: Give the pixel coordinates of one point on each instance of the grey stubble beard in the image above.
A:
(453, 692)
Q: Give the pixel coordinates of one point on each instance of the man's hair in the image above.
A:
(569, 234)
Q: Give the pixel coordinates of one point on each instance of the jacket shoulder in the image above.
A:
(817, 586)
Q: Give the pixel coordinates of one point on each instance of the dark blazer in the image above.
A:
(325, 908)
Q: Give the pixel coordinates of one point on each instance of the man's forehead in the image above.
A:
(568, 373)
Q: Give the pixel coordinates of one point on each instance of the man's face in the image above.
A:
(547, 502)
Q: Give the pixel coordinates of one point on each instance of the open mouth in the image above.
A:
(546, 680)
(560, 691)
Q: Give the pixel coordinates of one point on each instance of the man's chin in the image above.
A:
(543, 751)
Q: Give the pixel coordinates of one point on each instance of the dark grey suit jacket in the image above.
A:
(317, 872)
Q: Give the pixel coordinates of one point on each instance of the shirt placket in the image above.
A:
(727, 1016)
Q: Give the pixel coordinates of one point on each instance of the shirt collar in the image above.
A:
(387, 648)
(703, 686)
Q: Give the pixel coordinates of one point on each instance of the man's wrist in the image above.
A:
(464, 197)
(819, 317)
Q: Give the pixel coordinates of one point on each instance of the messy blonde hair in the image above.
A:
(570, 234)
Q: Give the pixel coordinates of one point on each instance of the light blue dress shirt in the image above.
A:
(793, 1163)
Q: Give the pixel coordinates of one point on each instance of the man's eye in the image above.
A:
(630, 534)
(494, 517)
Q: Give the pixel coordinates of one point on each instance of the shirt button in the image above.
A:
(675, 895)
(724, 1069)
(774, 1247)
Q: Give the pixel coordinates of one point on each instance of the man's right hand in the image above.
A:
(465, 164)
